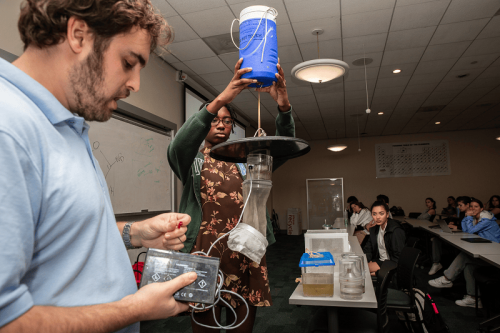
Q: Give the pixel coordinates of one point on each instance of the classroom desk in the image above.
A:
(369, 299)
(472, 249)
(493, 259)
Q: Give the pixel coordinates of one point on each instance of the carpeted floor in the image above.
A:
(283, 258)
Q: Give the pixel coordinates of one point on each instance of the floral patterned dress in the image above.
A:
(222, 203)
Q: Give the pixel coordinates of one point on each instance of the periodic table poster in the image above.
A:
(413, 159)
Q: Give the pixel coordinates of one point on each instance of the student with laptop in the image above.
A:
(477, 221)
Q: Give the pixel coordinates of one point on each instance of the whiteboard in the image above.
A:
(413, 159)
(133, 158)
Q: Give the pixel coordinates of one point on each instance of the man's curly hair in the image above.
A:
(43, 23)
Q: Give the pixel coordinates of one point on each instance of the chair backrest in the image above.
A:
(406, 266)
(411, 241)
(384, 277)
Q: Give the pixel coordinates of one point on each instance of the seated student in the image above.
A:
(494, 206)
(430, 212)
(476, 221)
(463, 206)
(386, 240)
(451, 209)
(361, 216)
(385, 199)
(350, 200)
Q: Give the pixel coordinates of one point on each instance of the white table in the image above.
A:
(493, 259)
(369, 299)
(473, 249)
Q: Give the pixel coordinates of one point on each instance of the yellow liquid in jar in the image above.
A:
(318, 290)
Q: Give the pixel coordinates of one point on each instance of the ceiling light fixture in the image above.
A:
(380, 113)
(498, 138)
(320, 70)
(337, 147)
(396, 71)
(437, 122)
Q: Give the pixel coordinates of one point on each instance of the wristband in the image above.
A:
(126, 236)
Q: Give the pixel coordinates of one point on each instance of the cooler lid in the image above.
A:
(325, 260)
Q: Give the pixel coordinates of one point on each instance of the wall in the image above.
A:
(475, 160)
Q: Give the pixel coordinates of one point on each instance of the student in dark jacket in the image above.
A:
(387, 238)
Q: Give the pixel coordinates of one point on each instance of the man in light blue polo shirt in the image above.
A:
(64, 263)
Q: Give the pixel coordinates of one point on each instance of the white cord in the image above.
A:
(274, 13)
(219, 290)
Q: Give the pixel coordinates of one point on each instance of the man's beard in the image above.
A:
(87, 83)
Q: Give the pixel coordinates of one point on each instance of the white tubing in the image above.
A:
(219, 290)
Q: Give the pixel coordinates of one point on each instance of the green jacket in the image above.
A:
(186, 161)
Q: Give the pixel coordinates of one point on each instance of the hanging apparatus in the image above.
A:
(261, 44)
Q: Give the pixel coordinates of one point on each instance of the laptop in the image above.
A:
(444, 226)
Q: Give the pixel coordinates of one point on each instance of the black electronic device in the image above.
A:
(163, 265)
(476, 240)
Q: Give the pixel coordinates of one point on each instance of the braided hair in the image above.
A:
(228, 107)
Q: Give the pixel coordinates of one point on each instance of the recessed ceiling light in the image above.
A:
(498, 138)
(396, 71)
(380, 113)
(437, 122)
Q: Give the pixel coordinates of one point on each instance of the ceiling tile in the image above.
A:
(361, 6)
(191, 6)
(407, 39)
(420, 89)
(418, 16)
(300, 91)
(435, 66)
(369, 44)
(207, 65)
(330, 49)
(282, 17)
(492, 29)
(389, 91)
(479, 61)
(289, 53)
(219, 78)
(285, 35)
(303, 30)
(230, 59)
(484, 46)
(445, 51)
(465, 10)
(301, 100)
(390, 82)
(458, 32)
(218, 24)
(358, 73)
(366, 23)
(360, 85)
(402, 56)
(191, 49)
(426, 79)
(165, 9)
(299, 10)
(181, 29)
